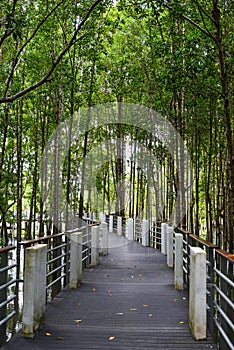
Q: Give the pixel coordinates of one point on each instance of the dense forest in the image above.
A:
(59, 59)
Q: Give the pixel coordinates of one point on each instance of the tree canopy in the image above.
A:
(59, 58)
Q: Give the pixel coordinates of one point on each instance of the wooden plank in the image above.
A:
(127, 302)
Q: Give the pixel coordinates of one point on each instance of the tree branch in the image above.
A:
(196, 25)
(56, 61)
(16, 60)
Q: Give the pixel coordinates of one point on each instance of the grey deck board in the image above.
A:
(130, 296)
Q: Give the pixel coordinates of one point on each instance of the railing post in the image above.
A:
(164, 238)
(94, 245)
(34, 289)
(197, 293)
(104, 230)
(130, 229)
(111, 223)
(76, 260)
(119, 226)
(145, 233)
(178, 272)
(170, 242)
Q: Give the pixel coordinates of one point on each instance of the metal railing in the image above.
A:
(220, 288)
(58, 257)
(155, 234)
(138, 230)
(8, 293)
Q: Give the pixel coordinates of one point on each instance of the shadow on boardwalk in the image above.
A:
(127, 302)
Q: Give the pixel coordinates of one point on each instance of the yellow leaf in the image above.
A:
(184, 298)
(78, 321)
(150, 315)
(181, 322)
(94, 289)
(133, 309)
(140, 275)
(60, 338)
(48, 334)
(78, 304)
(112, 338)
(145, 305)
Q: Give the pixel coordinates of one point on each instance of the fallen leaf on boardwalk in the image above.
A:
(145, 305)
(111, 338)
(132, 276)
(139, 279)
(60, 338)
(181, 322)
(94, 289)
(78, 304)
(184, 298)
(150, 315)
(133, 309)
(175, 300)
(48, 334)
(140, 275)
(78, 321)
(120, 313)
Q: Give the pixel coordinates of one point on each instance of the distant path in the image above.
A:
(127, 302)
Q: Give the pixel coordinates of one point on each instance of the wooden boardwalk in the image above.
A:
(127, 302)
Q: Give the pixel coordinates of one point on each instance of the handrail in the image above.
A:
(45, 238)
(225, 254)
(7, 249)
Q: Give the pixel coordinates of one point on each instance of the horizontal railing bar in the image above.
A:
(56, 248)
(55, 270)
(6, 268)
(55, 281)
(54, 259)
(6, 285)
(225, 278)
(226, 318)
(4, 320)
(224, 296)
(225, 337)
(7, 301)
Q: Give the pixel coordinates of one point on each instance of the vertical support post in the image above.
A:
(34, 289)
(130, 229)
(94, 216)
(104, 229)
(119, 225)
(197, 293)
(145, 232)
(94, 245)
(178, 272)
(170, 242)
(164, 238)
(76, 260)
(111, 223)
